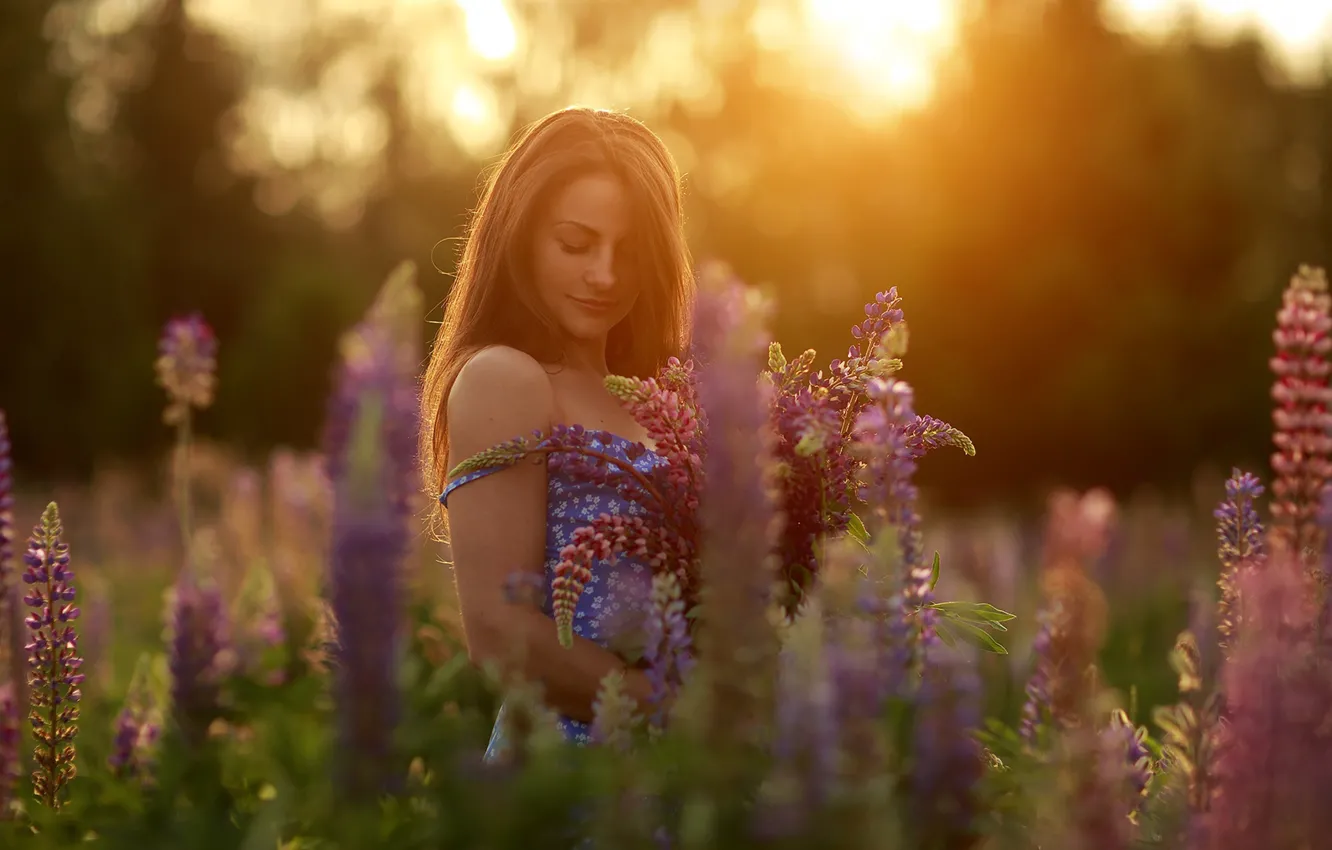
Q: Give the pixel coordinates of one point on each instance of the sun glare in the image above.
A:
(888, 50)
(490, 30)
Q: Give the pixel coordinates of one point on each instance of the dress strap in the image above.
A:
(467, 478)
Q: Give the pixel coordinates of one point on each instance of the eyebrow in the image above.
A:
(586, 227)
(589, 228)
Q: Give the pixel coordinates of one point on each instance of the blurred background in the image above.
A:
(1090, 208)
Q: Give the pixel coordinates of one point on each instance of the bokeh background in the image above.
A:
(1091, 209)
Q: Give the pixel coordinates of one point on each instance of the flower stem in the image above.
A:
(182, 476)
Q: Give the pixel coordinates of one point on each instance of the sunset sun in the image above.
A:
(885, 51)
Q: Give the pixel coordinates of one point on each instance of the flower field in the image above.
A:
(267, 656)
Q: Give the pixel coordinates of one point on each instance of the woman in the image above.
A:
(575, 268)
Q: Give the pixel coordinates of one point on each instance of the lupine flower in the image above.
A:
(1323, 573)
(892, 636)
(11, 640)
(946, 764)
(52, 657)
(1301, 417)
(665, 536)
(667, 645)
(813, 414)
(1077, 532)
(1036, 709)
(1098, 805)
(371, 443)
(1274, 762)
(199, 636)
(607, 537)
(614, 714)
(806, 734)
(890, 465)
(737, 522)
(6, 511)
(187, 359)
(134, 736)
(10, 741)
(1121, 735)
(814, 473)
(810, 417)
(1240, 536)
(260, 630)
(928, 433)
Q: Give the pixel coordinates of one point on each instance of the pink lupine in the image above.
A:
(10, 742)
(606, 538)
(1301, 463)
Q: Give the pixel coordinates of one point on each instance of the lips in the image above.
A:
(592, 304)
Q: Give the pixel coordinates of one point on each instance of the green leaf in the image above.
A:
(934, 571)
(976, 612)
(976, 636)
(945, 634)
(856, 528)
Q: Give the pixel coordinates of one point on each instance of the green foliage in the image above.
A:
(971, 622)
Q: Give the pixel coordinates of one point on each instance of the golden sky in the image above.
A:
(877, 57)
(884, 51)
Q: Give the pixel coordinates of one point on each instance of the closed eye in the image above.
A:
(571, 248)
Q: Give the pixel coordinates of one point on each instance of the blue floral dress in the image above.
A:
(618, 595)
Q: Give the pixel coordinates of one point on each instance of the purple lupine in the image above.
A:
(879, 337)
(927, 433)
(52, 657)
(1302, 462)
(1036, 708)
(370, 443)
(134, 736)
(200, 634)
(6, 511)
(813, 414)
(186, 363)
(806, 748)
(186, 366)
(814, 473)
(667, 649)
(10, 611)
(1121, 736)
(736, 519)
(946, 762)
(1274, 756)
(855, 656)
(888, 486)
(892, 636)
(10, 741)
(1239, 534)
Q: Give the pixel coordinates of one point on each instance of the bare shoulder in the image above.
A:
(500, 393)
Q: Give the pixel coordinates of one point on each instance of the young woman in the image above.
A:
(575, 267)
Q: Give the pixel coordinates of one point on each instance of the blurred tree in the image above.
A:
(1091, 232)
(71, 319)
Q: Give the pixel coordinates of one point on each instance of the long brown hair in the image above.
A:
(492, 302)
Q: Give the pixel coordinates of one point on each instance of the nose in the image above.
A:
(600, 274)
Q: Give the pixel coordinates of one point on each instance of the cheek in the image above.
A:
(553, 268)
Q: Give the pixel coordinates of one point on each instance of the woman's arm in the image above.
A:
(497, 526)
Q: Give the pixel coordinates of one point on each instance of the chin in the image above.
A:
(587, 329)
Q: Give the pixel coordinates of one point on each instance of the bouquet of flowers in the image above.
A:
(813, 416)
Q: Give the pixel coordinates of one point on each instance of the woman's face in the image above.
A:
(581, 268)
